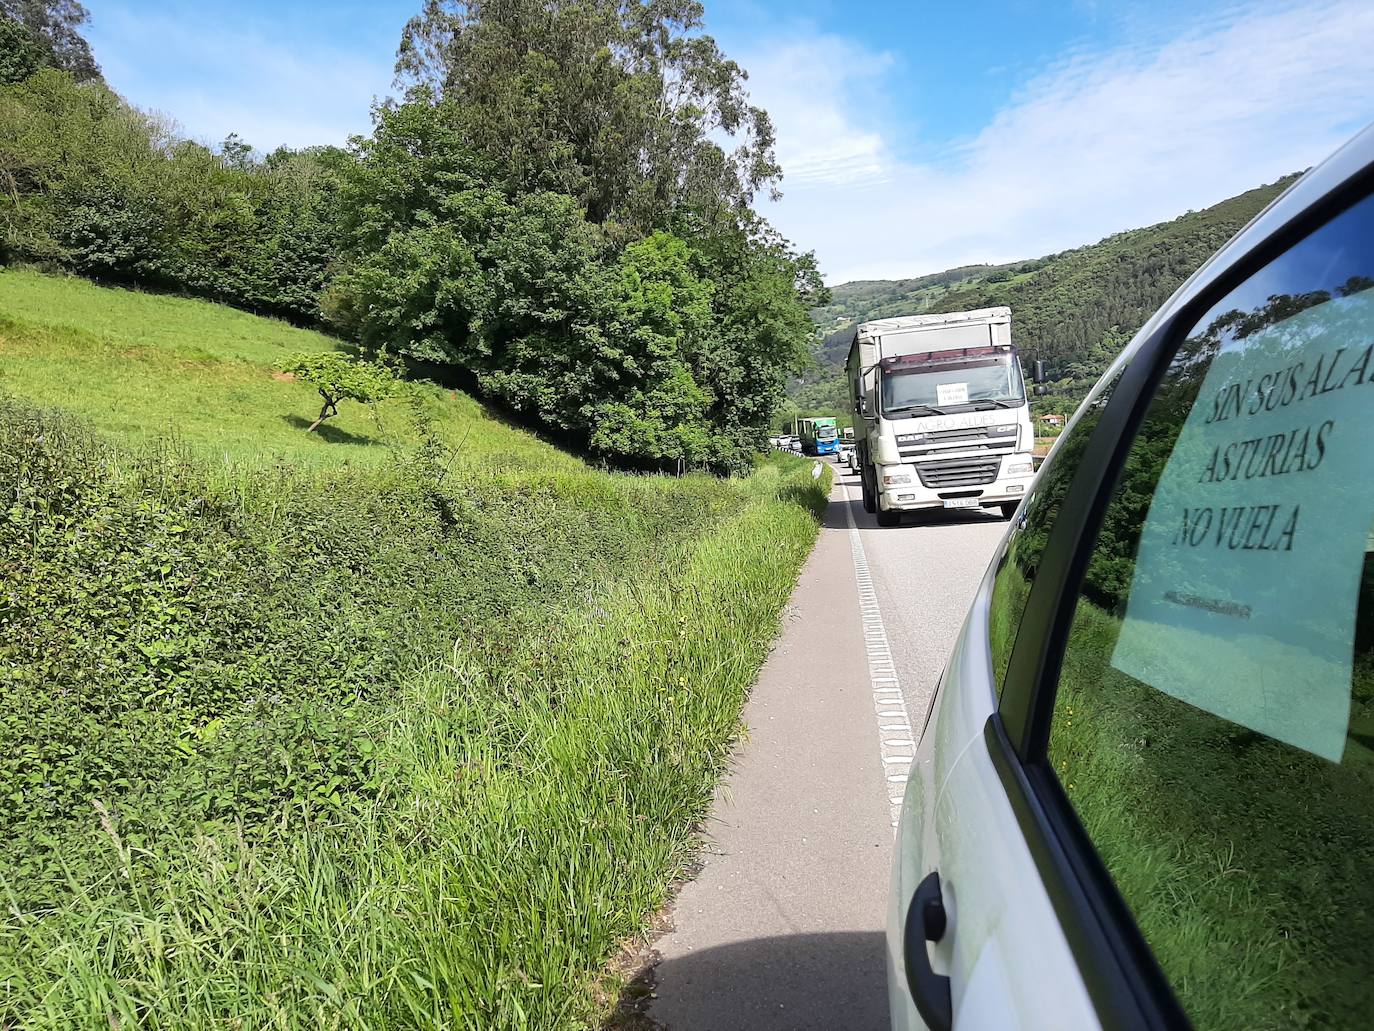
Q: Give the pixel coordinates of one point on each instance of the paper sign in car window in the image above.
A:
(1246, 581)
(951, 393)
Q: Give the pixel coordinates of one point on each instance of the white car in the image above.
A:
(1144, 793)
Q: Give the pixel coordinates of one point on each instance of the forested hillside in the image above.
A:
(1075, 309)
(555, 212)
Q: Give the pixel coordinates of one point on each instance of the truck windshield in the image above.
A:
(987, 383)
(826, 433)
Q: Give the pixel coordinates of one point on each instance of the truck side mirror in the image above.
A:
(1041, 390)
(1038, 372)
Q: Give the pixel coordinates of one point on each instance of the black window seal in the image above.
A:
(1124, 980)
(1127, 988)
(1078, 516)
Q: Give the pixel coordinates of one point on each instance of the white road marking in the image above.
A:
(889, 705)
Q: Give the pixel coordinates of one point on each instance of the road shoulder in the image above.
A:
(782, 928)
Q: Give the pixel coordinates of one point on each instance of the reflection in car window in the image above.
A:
(1025, 545)
(1215, 715)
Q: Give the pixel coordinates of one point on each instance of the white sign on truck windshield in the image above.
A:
(951, 393)
(1246, 582)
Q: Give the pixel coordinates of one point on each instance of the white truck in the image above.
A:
(941, 413)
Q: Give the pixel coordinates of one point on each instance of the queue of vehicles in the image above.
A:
(819, 436)
(941, 415)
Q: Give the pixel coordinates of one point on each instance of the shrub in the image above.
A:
(339, 377)
(185, 651)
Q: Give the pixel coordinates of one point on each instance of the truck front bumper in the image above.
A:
(914, 497)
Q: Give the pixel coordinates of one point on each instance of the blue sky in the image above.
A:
(914, 136)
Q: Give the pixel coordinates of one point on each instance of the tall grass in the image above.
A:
(527, 817)
(406, 725)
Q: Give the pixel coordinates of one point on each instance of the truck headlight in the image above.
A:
(896, 479)
(1019, 467)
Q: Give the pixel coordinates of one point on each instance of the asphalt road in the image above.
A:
(782, 928)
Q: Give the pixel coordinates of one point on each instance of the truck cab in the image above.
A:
(820, 436)
(941, 413)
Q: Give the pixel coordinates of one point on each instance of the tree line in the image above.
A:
(557, 211)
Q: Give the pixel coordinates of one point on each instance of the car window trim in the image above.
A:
(1124, 980)
(1128, 990)
(1044, 611)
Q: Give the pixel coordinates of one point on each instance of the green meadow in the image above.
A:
(145, 366)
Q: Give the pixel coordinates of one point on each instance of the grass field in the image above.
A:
(407, 733)
(143, 365)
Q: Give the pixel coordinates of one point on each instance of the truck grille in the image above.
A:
(962, 438)
(960, 472)
(963, 433)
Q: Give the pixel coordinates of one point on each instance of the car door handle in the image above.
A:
(926, 922)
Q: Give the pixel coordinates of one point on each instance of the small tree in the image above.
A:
(340, 378)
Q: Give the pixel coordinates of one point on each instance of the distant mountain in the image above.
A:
(1075, 309)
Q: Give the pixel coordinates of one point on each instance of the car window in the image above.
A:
(1214, 720)
(1029, 534)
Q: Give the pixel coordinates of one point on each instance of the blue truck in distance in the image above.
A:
(819, 436)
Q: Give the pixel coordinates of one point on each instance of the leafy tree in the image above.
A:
(237, 153)
(211, 207)
(618, 103)
(551, 214)
(20, 53)
(339, 378)
(79, 171)
(298, 231)
(547, 348)
(416, 166)
(762, 291)
(419, 297)
(655, 409)
(97, 187)
(44, 33)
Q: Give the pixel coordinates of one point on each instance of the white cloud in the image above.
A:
(1101, 142)
(806, 86)
(214, 79)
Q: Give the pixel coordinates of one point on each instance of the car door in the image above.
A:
(958, 824)
(1145, 796)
